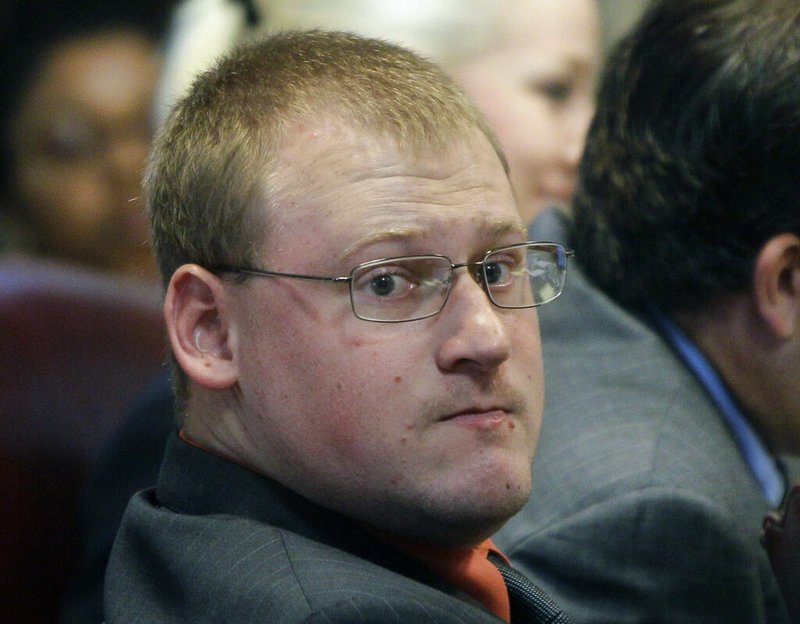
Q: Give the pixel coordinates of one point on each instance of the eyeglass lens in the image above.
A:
(409, 288)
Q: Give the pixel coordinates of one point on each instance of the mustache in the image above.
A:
(464, 397)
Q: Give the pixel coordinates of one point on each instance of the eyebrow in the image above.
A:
(495, 228)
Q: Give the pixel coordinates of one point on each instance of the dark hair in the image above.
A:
(693, 157)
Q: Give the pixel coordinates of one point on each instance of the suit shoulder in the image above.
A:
(622, 413)
(372, 609)
(340, 587)
(170, 567)
(662, 554)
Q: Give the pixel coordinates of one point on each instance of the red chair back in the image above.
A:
(75, 348)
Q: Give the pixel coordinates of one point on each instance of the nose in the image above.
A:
(475, 335)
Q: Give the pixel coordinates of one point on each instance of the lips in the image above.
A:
(502, 404)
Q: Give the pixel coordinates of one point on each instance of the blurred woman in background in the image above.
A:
(76, 98)
(535, 82)
(531, 65)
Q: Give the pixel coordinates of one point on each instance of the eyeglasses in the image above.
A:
(410, 288)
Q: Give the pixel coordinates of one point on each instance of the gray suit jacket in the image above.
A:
(643, 509)
(215, 542)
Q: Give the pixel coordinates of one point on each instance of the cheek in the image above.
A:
(341, 381)
(369, 396)
(40, 185)
(64, 197)
(367, 378)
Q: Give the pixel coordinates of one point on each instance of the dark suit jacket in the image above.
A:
(643, 509)
(128, 463)
(215, 542)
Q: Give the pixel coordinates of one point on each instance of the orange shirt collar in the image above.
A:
(467, 569)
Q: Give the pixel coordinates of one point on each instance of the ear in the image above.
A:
(777, 284)
(201, 327)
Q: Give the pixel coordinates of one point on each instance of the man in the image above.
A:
(349, 301)
(531, 63)
(672, 367)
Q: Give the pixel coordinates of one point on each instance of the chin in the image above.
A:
(479, 523)
(482, 513)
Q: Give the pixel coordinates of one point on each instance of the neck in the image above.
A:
(754, 364)
(212, 423)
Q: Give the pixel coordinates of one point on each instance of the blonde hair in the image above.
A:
(445, 31)
(214, 155)
(207, 185)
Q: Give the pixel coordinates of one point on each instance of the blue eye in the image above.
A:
(494, 273)
(382, 285)
(501, 272)
(386, 282)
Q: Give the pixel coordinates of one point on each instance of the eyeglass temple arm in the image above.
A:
(266, 273)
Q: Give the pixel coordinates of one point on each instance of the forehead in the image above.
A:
(553, 27)
(353, 186)
(109, 72)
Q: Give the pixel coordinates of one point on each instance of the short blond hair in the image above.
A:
(212, 161)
